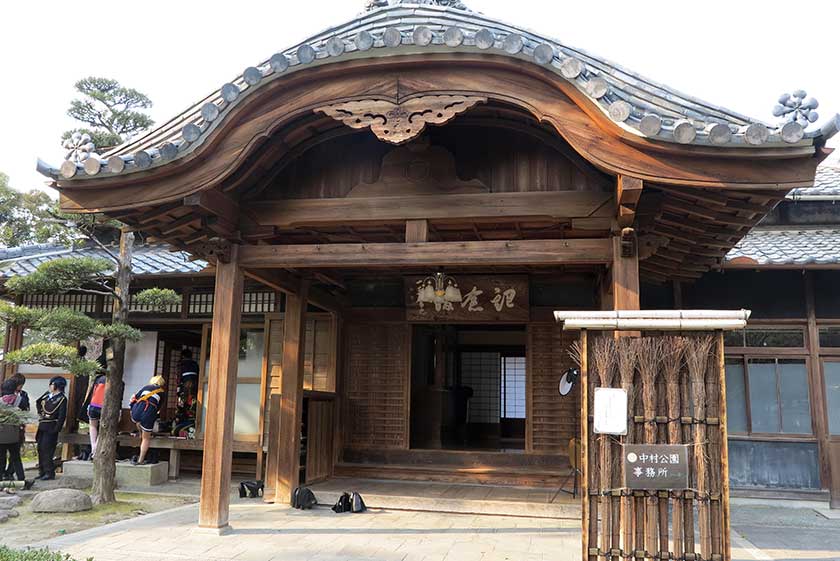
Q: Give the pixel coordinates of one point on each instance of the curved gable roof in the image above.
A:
(639, 106)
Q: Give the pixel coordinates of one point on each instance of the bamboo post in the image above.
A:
(687, 496)
(697, 359)
(650, 357)
(627, 348)
(724, 449)
(672, 367)
(586, 521)
(603, 359)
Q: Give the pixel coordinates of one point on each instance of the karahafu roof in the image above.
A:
(152, 259)
(787, 248)
(637, 104)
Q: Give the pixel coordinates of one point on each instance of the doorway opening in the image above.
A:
(468, 385)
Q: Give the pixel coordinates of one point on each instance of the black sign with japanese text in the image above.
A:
(656, 466)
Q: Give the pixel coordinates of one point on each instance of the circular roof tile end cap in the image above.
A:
(191, 132)
(650, 125)
(756, 134)
(423, 36)
(252, 75)
(92, 165)
(142, 159)
(306, 54)
(392, 37)
(168, 151)
(484, 39)
(278, 63)
(116, 164)
(792, 132)
(597, 87)
(335, 46)
(719, 133)
(209, 111)
(544, 54)
(513, 44)
(571, 68)
(620, 111)
(68, 169)
(230, 92)
(684, 132)
(453, 37)
(364, 41)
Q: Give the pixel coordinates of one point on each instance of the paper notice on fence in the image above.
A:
(610, 411)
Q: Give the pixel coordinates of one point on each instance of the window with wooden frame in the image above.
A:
(767, 384)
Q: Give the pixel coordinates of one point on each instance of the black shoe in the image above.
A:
(48, 478)
(27, 484)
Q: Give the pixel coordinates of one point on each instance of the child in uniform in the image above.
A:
(145, 406)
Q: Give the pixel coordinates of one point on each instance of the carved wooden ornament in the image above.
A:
(400, 123)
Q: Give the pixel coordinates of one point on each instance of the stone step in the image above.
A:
(127, 475)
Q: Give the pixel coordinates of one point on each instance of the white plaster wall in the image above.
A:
(139, 364)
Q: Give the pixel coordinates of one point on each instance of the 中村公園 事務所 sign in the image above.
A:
(655, 466)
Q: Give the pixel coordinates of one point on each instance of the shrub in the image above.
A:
(8, 554)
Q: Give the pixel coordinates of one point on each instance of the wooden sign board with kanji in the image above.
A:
(484, 298)
(656, 466)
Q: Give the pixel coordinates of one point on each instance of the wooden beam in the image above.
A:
(221, 395)
(628, 192)
(416, 231)
(297, 213)
(491, 253)
(215, 203)
(291, 400)
(290, 284)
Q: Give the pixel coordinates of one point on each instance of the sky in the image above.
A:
(740, 54)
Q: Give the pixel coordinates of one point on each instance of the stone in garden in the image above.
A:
(71, 482)
(10, 501)
(61, 500)
(4, 515)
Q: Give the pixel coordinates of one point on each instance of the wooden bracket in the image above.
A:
(215, 250)
(628, 193)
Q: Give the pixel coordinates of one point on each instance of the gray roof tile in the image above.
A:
(826, 184)
(788, 247)
(153, 259)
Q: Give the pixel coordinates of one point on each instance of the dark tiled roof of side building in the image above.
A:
(787, 248)
(152, 259)
(826, 184)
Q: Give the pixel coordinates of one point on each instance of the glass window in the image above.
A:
(513, 387)
(766, 338)
(764, 400)
(736, 397)
(831, 371)
(778, 393)
(793, 389)
(830, 337)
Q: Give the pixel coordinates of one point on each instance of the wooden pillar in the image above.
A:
(291, 399)
(625, 271)
(221, 395)
(587, 533)
(829, 474)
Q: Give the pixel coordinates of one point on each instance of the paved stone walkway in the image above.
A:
(267, 532)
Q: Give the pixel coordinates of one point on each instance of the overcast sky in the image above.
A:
(740, 54)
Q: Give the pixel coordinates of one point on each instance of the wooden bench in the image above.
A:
(163, 442)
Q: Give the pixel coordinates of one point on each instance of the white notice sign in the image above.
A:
(610, 411)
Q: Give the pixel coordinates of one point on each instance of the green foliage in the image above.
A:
(14, 416)
(26, 218)
(110, 110)
(18, 315)
(157, 299)
(66, 326)
(84, 367)
(119, 331)
(9, 554)
(44, 353)
(61, 275)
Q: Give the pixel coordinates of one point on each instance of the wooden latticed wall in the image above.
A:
(676, 395)
(376, 385)
(552, 421)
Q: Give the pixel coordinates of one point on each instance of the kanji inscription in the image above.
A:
(483, 298)
(656, 466)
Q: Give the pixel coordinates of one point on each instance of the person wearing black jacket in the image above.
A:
(52, 410)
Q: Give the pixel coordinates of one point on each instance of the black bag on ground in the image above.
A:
(251, 489)
(356, 503)
(303, 498)
(343, 504)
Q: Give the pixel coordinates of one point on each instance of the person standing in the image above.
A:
(52, 410)
(95, 401)
(10, 396)
(188, 366)
(145, 405)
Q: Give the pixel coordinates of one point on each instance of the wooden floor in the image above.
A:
(430, 496)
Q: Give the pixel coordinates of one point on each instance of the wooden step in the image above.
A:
(491, 475)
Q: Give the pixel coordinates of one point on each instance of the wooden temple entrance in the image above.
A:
(351, 171)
